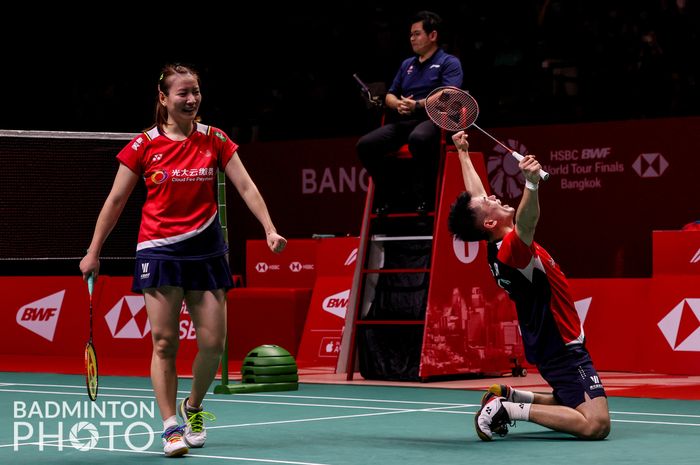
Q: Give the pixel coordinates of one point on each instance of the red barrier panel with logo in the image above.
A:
(676, 253)
(320, 344)
(294, 268)
(50, 319)
(644, 325)
(471, 325)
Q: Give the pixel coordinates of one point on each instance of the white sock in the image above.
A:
(192, 408)
(523, 396)
(170, 421)
(517, 410)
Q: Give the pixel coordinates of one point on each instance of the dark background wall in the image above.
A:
(284, 72)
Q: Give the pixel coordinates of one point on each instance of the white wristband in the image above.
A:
(531, 185)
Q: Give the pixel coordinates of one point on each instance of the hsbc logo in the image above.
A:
(337, 304)
(296, 267)
(465, 252)
(650, 165)
(681, 326)
(263, 267)
(128, 318)
(41, 316)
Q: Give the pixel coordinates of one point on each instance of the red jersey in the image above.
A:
(546, 311)
(181, 186)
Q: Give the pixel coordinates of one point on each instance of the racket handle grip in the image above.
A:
(91, 283)
(543, 174)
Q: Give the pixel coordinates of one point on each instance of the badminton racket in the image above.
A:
(454, 109)
(91, 378)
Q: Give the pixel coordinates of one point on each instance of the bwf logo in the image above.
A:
(337, 304)
(91, 422)
(41, 316)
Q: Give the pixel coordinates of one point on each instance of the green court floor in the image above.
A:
(49, 419)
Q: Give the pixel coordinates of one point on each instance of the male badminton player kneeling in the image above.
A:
(551, 329)
(181, 253)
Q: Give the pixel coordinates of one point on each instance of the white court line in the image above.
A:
(245, 394)
(241, 425)
(236, 401)
(656, 422)
(317, 405)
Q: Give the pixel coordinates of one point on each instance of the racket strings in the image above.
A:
(452, 109)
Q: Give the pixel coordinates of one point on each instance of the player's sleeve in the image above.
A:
(132, 154)
(226, 147)
(514, 252)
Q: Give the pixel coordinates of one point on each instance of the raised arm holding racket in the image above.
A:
(454, 109)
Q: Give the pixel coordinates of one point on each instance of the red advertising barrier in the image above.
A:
(676, 253)
(643, 325)
(295, 268)
(336, 261)
(265, 315)
(471, 325)
(49, 316)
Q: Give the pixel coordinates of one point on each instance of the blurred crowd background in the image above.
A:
(285, 72)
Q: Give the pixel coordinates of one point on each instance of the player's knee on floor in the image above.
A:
(597, 430)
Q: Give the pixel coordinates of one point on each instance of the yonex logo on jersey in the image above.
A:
(41, 316)
(696, 257)
(157, 157)
(681, 326)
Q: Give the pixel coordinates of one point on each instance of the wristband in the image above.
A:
(531, 185)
